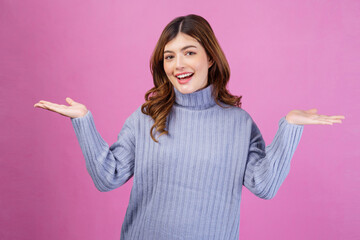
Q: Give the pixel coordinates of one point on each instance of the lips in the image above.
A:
(185, 80)
(187, 74)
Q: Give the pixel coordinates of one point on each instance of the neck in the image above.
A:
(200, 99)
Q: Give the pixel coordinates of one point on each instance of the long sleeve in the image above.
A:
(267, 167)
(111, 167)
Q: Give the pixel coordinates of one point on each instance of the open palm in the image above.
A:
(75, 109)
(302, 117)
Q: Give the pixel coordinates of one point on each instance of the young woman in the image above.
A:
(190, 147)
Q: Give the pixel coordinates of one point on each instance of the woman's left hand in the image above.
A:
(301, 117)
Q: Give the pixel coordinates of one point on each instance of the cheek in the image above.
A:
(201, 64)
(201, 67)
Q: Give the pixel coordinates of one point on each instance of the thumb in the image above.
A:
(313, 110)
(70, 101)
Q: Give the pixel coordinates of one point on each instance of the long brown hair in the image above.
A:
(161, 98)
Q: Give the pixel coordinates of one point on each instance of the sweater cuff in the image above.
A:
(284, 121)
(86, 120)
(86, 131)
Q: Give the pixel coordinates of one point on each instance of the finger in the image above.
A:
(53, 109)
(336, 121)
(325, 123)
(51, 106)
(338, 117)
(328, 119)
(322, 122)
(312, 110)
(45, 102)
(70, 101)
(38, 105)
(333, 117)
(332, 121)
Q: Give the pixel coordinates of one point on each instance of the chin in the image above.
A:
(186, 89)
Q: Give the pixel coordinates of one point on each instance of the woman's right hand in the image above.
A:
(75, 110)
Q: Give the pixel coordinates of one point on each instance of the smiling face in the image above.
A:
(186, 64)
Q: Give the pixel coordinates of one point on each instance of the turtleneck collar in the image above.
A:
(200, 99)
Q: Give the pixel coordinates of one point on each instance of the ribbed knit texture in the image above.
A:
(188, 186)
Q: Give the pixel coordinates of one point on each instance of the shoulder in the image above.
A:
(236, 112)
(137, 115)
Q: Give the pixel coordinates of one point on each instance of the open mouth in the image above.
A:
(185, 76)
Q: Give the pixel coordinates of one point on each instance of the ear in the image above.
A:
(211, 62)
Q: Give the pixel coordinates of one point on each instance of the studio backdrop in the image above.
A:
(283, 55)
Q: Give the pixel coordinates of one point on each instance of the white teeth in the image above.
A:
(184, 75)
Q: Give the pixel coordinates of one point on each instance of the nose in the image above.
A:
(179, 62)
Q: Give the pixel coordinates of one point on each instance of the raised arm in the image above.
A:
(268, 166)
(109, 167)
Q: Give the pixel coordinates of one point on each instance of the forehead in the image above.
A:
(180, 41)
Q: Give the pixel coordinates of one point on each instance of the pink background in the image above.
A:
(283, 55)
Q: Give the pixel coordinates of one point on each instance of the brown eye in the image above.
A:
(168, 57)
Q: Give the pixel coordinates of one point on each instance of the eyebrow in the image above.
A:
(184, 48)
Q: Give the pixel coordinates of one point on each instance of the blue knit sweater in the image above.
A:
(188, 186)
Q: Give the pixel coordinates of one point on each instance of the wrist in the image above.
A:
(288, 118)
